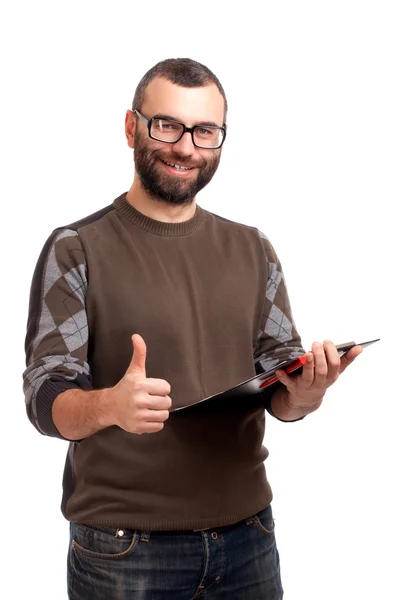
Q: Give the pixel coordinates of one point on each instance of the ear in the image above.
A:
(130, 126)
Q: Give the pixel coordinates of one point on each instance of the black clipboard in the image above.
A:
(255, 385)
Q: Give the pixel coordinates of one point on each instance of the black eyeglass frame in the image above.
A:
(149, 122)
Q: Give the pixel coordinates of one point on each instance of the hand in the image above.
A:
(140, 404)
(323, 367)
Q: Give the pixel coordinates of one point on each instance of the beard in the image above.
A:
(164, 187)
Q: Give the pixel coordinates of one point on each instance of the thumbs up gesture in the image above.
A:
(140, 404)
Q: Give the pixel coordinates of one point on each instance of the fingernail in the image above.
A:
(317, 345)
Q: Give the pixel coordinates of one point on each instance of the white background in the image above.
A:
(311, 159)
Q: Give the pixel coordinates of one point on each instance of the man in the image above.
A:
(153, 303)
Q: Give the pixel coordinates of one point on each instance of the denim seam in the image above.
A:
(100, 555)
(200, 588)
(262, 528)
(221, 571)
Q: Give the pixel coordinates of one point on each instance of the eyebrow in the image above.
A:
(171, 118)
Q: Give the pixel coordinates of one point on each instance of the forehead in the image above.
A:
(190, 105)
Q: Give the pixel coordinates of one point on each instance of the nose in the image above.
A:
(185, 145)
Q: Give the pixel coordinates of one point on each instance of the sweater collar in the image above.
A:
(158, 227)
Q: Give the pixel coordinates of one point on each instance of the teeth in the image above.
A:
(179, 167)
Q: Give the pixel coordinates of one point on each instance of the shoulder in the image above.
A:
(64, 247)
(230, 225)
(67, 236)
(90, 220)
(249, 231)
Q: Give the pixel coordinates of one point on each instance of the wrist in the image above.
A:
(287, 407)
(106, 405)
(294, 403)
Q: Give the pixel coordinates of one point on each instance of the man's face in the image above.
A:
(191, 106)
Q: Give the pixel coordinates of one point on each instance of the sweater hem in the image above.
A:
(190, 524)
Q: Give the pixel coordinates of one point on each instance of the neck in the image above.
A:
(157, 210)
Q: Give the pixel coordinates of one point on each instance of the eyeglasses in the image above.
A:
(171, 131)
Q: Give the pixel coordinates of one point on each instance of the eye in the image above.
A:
(204, 132)
(162, 125)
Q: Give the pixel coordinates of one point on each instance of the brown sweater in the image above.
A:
(209, 299)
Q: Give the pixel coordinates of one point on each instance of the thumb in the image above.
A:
(348, 357)
(138, 362)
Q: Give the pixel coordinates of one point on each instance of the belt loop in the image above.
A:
(145, 536)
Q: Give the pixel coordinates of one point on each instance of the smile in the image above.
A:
(177, 167)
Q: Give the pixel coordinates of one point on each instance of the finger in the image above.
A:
(349, 356)
(333, 360)
(146, 402)
(138, 362)
(320, 364)
(284, 378)
(156, 387)
(154, 416)
(159, 402)
(306, 377)
(151, 427)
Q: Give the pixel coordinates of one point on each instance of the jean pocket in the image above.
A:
(264, 521)
(103, 543)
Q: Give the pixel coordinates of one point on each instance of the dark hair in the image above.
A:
(181, 71)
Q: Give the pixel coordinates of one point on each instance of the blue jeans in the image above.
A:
(238, 562)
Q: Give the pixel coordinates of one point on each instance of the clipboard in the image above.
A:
(255, 385)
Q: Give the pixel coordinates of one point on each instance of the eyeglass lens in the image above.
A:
(168, 131)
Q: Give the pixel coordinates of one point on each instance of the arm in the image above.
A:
(299, 395)
(77, 414)
(59, 397)
(57, 334)
(137, 404)
(278, 338)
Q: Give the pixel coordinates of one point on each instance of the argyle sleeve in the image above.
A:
(57, 332)
(278, 338)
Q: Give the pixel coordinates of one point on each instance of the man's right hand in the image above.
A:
(140, 404)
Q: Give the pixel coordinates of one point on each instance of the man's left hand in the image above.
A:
(322, 369)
